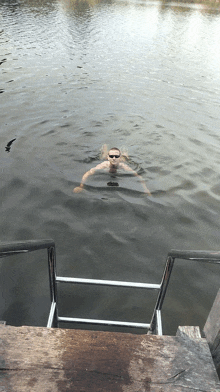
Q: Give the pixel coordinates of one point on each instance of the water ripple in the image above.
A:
(142, 75)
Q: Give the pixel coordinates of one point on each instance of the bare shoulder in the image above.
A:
(101, 166)
(125, 167)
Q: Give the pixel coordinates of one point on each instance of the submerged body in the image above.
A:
(112, 164)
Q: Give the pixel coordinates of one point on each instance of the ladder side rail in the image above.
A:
(160, 299)
(159, 323)
(53, 315)
(51, 323)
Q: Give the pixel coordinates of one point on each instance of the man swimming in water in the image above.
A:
(112, 164)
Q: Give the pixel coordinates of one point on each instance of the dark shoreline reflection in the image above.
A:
(209, 6)
(33, 4)
(81, 7)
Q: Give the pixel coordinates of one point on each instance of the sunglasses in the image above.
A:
(112, 156)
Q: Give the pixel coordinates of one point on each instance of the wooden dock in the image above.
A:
(37, 359)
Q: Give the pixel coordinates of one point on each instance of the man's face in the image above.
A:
(114, 157)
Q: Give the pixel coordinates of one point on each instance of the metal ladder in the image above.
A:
(154, 327)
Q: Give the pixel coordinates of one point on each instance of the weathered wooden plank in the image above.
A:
(188, 332)
(212, 330)
(56, 360)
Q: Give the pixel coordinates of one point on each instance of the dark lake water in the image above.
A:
(140, 75)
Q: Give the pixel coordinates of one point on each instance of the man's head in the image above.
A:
(114, 156)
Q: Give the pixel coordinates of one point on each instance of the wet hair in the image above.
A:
(115, 148)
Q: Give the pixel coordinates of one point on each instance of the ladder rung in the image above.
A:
(109, 283)
(103, 322)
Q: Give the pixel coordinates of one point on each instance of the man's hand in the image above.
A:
(78, 189)
(147, 192)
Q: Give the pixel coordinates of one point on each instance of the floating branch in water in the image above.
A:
(110, 183)
(8, 147)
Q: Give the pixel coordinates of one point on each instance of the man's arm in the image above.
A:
(90, 172)
(127, 168)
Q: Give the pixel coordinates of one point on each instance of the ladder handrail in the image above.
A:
(194, 255)
(197, 255)
(16, 247)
